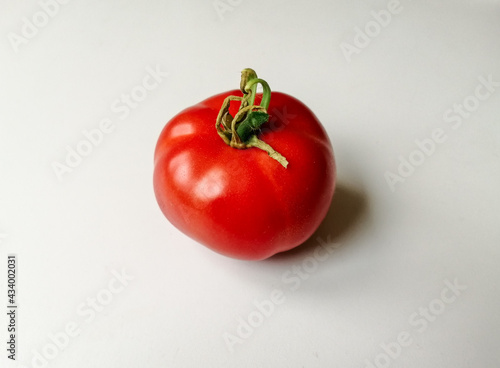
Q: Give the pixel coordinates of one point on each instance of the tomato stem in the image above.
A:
(251, 124)
(248, 85)
(241, 131)
(246, 76)
(256, 142)
(266, 95)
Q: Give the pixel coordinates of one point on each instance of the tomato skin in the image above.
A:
(242, 203)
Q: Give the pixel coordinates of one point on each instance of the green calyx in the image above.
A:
(251, 124)
(241, 130)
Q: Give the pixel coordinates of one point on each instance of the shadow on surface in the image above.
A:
(347, 208)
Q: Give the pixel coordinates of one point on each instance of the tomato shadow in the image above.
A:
(348, 207)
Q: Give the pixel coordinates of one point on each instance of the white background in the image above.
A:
(395, 250)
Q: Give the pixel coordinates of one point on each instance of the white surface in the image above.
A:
(395, 250)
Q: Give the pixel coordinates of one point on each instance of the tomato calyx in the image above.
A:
(241, 130)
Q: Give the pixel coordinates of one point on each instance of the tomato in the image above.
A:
(245, 198)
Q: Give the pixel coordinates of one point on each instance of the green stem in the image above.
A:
(266, 93)
(248, 84)
(252, 119)
(246, 76)
(243, 129)
(251, 124)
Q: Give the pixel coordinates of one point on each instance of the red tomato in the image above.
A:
(241, 202)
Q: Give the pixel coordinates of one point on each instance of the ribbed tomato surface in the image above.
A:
(241, 202)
